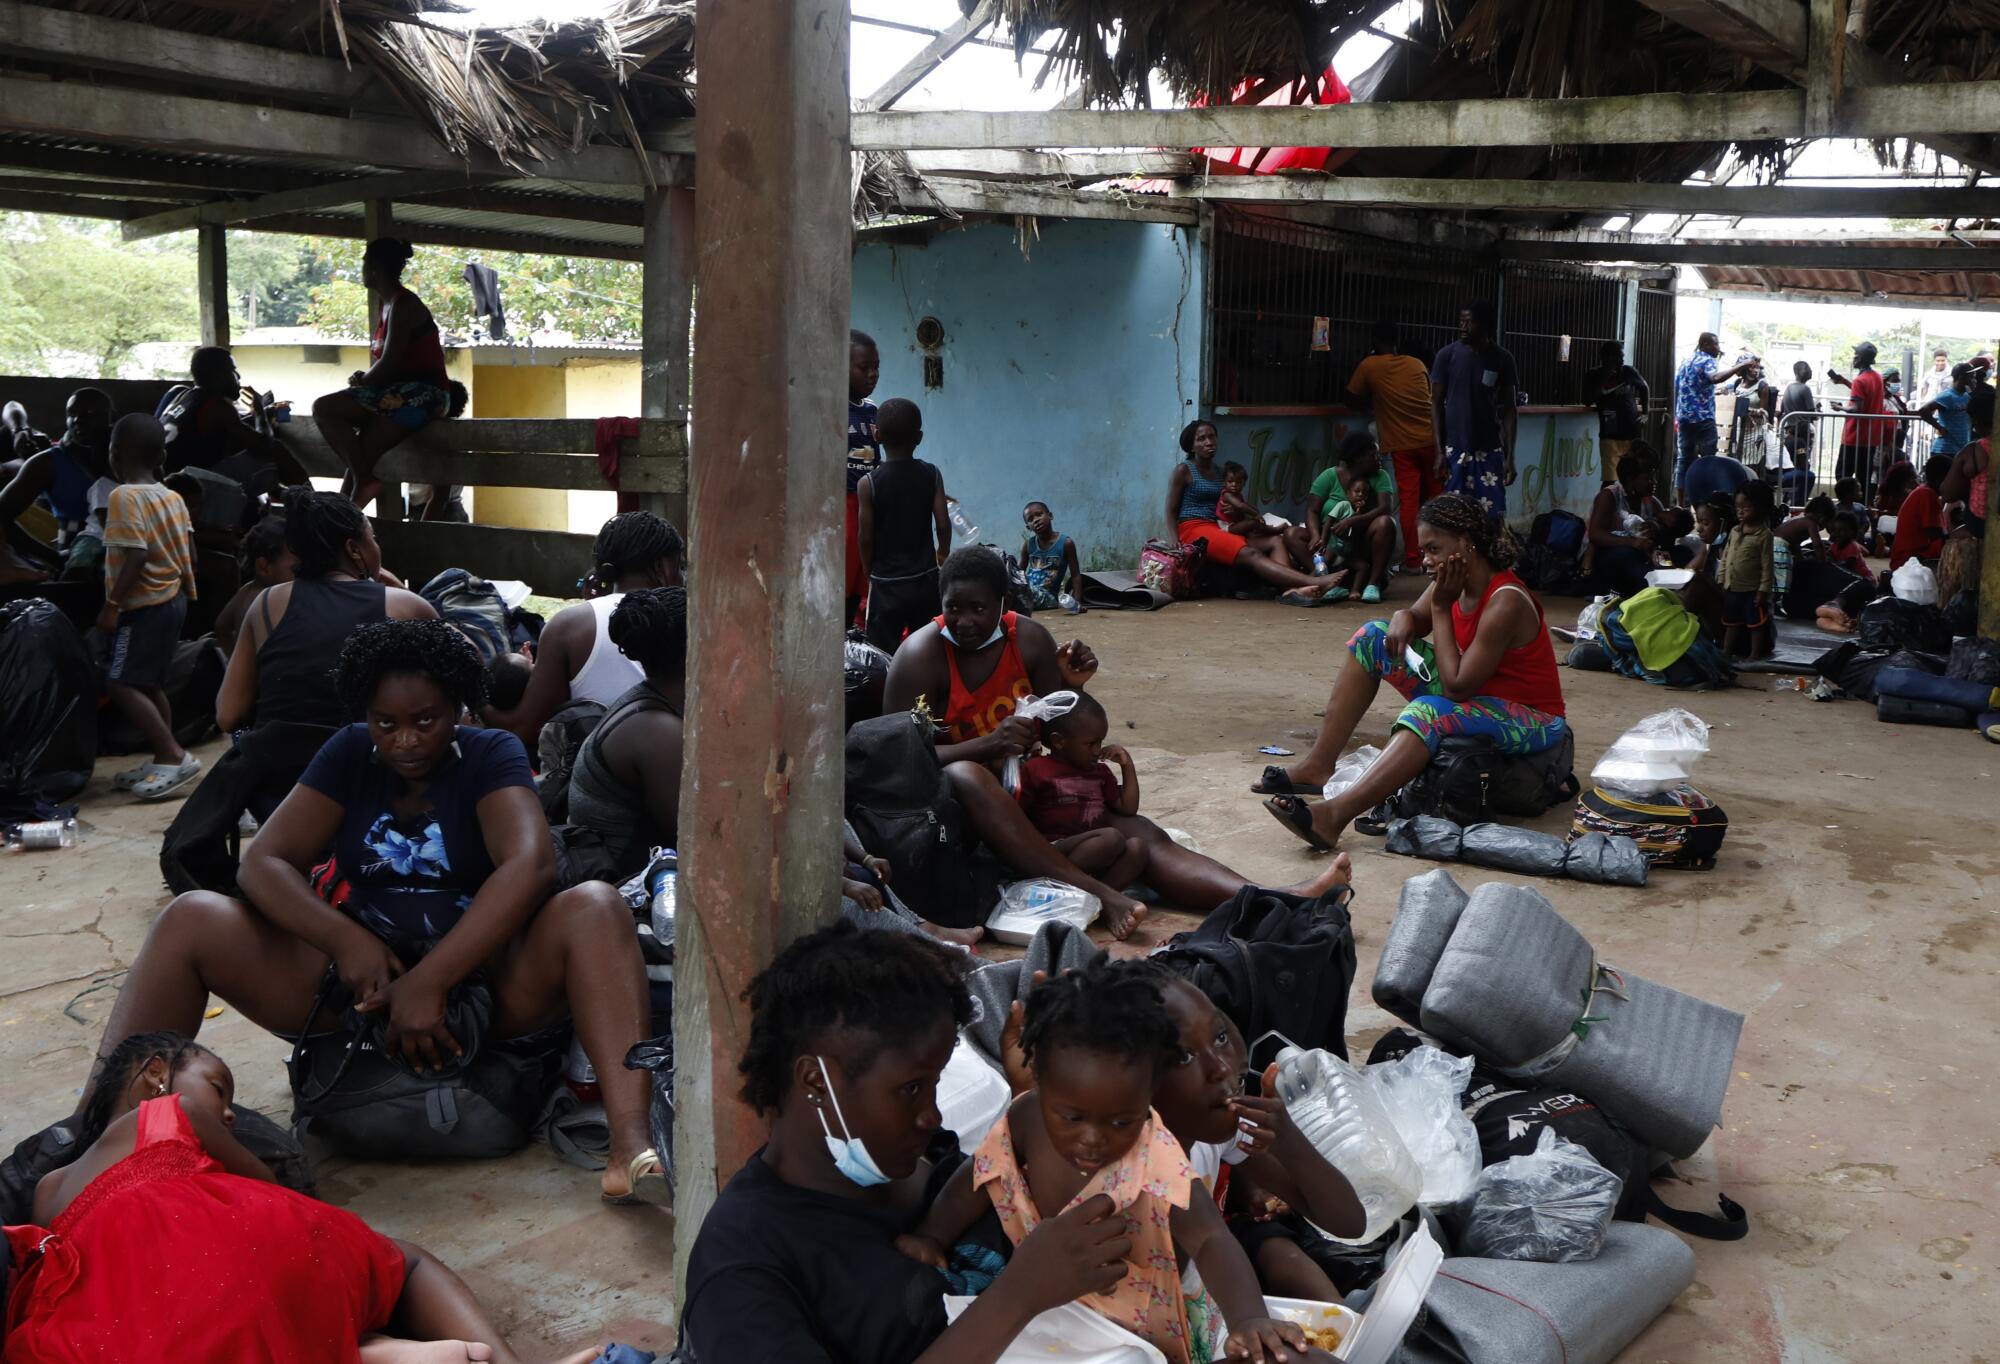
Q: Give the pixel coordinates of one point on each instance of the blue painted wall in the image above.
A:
(1068, 373)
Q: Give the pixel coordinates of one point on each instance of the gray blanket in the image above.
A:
(1520, 1312)
(1505, 975)
(1055, 948)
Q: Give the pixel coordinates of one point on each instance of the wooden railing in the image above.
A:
(552, 453)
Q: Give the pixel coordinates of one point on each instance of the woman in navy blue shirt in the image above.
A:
(433, 861)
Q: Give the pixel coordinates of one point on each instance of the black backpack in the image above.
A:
(369, 1104)
(902, 808)
(1472, 782)
(555, 753)
(1274, 962)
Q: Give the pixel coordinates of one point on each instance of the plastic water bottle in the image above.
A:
(44, 833)
(1337, 1111)
(1319, 564)
(963, 531)
(1069, 603)
(661, 876)
(579, 1074)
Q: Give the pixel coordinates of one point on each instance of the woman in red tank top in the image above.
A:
(1492, 675)
(166, 1240)
(402, 391)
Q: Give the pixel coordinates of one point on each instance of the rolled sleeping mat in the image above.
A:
(1904, 710)
(1425, 917)
(1605, 860)
(1524, 1312)
(1526, 990)
(1430, 836)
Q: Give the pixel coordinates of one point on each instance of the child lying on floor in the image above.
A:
(1097, 1040)
(1069, 793)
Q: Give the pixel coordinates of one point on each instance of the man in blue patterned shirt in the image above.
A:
(1694, 404)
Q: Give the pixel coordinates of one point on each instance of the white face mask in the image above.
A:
(945, 630)
(850, 1154)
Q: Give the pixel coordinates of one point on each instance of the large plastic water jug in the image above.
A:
(1337, 1111)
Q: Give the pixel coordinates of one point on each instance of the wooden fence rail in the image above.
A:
(511, 453)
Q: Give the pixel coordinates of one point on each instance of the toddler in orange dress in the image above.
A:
(1096, 1040)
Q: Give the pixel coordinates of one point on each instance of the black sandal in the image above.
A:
(1276, 783)
(1375, 823)
(1295, 815)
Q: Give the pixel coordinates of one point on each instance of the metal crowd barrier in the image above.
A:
(1814, 458)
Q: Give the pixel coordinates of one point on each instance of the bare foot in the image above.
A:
(962, 937)
(388, 1350)
(1122, 916)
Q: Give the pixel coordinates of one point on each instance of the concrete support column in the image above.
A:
(667, 296)
(761, 787)
(212, 282)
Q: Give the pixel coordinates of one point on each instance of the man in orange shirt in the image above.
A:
(1396, 388)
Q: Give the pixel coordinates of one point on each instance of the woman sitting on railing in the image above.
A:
(404, 390)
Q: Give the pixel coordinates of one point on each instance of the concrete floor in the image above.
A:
(1847, 921)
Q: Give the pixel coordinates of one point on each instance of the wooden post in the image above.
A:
(761, 788)
(1825, 32)
(378, 220)
(211, 272)
(667, 293)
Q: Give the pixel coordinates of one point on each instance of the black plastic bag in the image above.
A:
(48, 708)
(1890, 623)
(864, 672)
(657, 1057)
(1975, 660)
(1961, 613)
(1426, 836)
(1910, 658)
(1504, 848)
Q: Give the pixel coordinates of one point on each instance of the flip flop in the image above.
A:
(1334, 594)
(1308, 598)
(1293, 813)
(1275, 783)
(648, 1176)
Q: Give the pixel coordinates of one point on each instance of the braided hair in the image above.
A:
(1457, 514)
(123, 1062)
(889, 987)
(1112, 1008)
(632, 542)
(650, 628)
(409, 648)
(317, 528)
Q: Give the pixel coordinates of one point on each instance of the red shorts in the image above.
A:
(1222, 546)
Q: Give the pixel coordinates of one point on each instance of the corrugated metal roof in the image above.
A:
(1904, 286)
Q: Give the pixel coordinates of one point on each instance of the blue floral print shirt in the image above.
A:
(412, 878)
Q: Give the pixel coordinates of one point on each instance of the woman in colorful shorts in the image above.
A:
(1492, 674)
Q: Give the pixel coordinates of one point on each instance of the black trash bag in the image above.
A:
(1426, 836)
(1605, 860)
(1890, 623)
(1506, 848)
(1917, 662)
(1903, 710)
(1961, 613)
(657, 1056)
(1553, 1205)
(864, 672)
(1851, 668)
(1975, 660)
(48, 708)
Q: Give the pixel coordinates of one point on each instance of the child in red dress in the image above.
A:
(1068, 792)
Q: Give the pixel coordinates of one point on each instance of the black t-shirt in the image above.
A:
(790, 1276)
(1618, 403)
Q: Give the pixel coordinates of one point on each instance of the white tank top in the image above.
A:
(607, 674)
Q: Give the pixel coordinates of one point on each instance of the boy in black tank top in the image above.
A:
(904, 529)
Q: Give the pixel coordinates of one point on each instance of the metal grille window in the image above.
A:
(1272, 280)
(1655, 356)
(1545, 303)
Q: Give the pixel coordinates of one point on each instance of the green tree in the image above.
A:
(84, 293)
(585, 298)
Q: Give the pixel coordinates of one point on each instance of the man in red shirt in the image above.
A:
(1862, 439)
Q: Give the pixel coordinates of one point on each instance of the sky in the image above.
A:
(980, 76)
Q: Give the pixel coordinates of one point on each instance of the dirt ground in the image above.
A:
(1847, 920)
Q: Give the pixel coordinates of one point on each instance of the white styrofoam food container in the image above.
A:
(1323, 1315)
(971, 1095)
(1070, 1334)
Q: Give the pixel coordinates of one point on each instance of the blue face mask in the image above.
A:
(945, 630)
(850, 1156)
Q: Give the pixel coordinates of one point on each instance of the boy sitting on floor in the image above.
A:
(148, 582)
(1068, 792)
(1049, 562)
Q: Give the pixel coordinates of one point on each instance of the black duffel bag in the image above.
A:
(367, 1102)
(1470, 781)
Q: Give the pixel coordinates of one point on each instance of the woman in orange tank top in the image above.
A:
(1490, 671)
(970, 667)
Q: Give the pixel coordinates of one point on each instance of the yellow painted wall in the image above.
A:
(520, 391)
(598, 388)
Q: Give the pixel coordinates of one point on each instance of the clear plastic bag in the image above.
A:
(1041, 709)
(1349, 769)
(1915, 582)
(1587, 619)
(1553, 1205)
(1026, 905)
(1421, 1092)
(1657, 753)
(1337, 1110)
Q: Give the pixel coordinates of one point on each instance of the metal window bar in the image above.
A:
(1815, 443)
(1546, 303)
